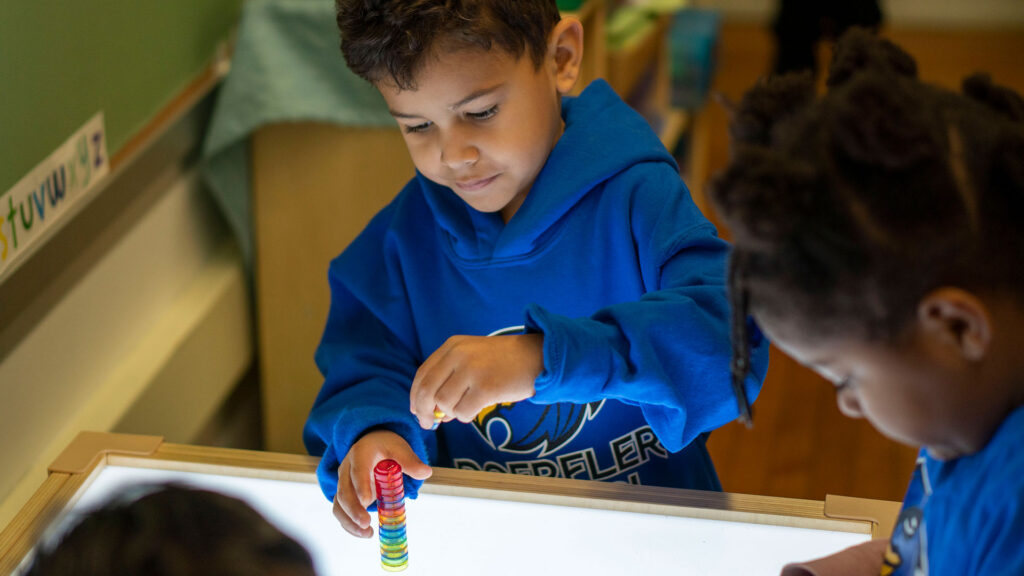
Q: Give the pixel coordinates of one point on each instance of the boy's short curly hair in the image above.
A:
(388, 40)
(847, 210)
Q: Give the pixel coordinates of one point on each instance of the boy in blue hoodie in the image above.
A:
(561, 218)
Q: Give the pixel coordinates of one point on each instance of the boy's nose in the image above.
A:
(457, 153)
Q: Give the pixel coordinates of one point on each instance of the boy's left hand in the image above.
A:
(469, 373)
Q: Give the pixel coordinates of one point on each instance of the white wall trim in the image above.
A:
(155, 336)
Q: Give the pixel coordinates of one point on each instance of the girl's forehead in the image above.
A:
(815, 340)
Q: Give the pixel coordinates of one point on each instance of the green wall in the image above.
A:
(61, 61)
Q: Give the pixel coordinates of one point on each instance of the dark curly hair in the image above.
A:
(388, 40)
(846, 210)
(172, 530)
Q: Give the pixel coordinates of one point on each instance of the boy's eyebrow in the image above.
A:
(474, 95)
(398, 114)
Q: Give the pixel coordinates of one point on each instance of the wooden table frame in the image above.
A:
(90, 452)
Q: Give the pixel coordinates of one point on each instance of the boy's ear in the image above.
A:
(958, 318)
(565, 53)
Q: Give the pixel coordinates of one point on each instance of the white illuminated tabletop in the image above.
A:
(472, 523)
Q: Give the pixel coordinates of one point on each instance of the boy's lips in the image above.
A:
(477, 184)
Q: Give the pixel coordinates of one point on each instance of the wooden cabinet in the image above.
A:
(315, 186)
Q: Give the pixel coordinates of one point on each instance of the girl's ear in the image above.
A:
(565, 53)
(957, 318)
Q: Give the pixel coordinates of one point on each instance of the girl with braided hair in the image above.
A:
(877, 240)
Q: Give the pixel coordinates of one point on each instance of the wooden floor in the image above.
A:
(801, 446)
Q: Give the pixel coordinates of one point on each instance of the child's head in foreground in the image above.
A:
(171, 531)
(475, 86)
(878, 240)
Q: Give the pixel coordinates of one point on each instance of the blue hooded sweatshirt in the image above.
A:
(608, 258)
(964, 516)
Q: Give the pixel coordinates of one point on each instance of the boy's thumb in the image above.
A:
(413, 466)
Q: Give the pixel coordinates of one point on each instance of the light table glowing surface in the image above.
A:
(475, 523)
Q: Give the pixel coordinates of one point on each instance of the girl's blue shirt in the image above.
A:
(965, 516)
(608, 257)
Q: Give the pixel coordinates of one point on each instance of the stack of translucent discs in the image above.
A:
(394, 546)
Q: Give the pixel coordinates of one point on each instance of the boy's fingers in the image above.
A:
(471, 403)
(356, 513)
(425, 371)
(449, 394)
(417, 380)
(355, 498)
(346, 522)
(412, 465)
(362, 485)
(352, 517)
(455, 401)
(424, 400)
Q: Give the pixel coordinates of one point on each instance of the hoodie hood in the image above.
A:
(603, 136)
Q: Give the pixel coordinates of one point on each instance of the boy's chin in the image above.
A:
(484, 208)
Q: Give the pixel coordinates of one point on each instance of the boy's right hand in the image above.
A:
(355, 477)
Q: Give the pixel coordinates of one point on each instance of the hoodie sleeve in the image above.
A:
(367, 365)
(669, 351)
